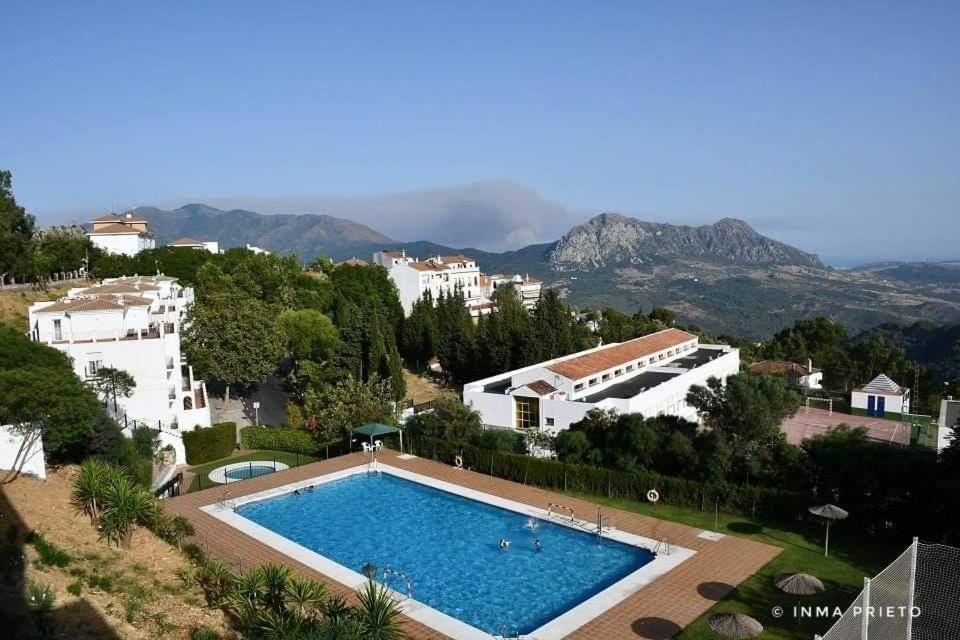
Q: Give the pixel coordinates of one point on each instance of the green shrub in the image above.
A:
(204, 633)
(279, 439)
(204, 445)
(551, 474)
(40, 597)
(50, 554)
(75, 588)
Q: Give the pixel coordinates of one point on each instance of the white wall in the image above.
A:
(129, 244)
(29, 460)
(892, 404)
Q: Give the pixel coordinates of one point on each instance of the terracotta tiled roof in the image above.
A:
(115, 230)
(130, 301)
(455, 259)
(355, 262)
(81, 305)
(588, 364)
(113, 217)
(426, 266)
(120, 288)
(773, 367)
(394, 254)
(541, 387)
(186, 242)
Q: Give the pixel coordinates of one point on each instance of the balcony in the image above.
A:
(169, 364)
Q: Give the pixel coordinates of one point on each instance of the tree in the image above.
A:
(16, 232)
(664, 315)
(948, 485)
(332, 411)
(420, 335)
(125, 506)
(90, 487)
(232, 338)
(456, 349)
(449, 419)
(307, 334)
(112, 383)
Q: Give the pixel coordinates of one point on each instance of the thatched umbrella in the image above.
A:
(735, 625)
(799, 584)
(830, 513)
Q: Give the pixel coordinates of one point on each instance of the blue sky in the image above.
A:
(833, 126)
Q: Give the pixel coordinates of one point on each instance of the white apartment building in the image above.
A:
(131, 324)
(200, 245)
(528, 289)
(650, 375)
(124, 234)
(447, 274)
(438, 275)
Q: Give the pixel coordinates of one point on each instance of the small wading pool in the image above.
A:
(244, 470)
(448, 546)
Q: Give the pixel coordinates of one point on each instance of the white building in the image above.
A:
(132, 324)
(437, 275)
(527, 289)
(797, 375)
(200, 245)
(650, 375)
(257, 250)
(882, 398)
(949, 418)
(125, 234)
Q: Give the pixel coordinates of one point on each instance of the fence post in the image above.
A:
(912, 585)
(865, 622)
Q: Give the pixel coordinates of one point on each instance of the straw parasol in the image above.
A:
(830, 514)
(735, 625)
(799, 584)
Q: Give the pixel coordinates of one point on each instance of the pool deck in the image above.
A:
(656, 612)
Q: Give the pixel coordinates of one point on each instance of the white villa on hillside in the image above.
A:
(131, 324)
(125, 234)
(882, 398)
(448, 274)
(200, 245)
(649, 375)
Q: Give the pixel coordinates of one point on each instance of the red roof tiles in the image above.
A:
(588, 364)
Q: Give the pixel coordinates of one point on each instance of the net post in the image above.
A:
(865, 621)
(911, 587)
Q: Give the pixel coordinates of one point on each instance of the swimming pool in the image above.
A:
(248, 471)
(237, 471)
(446, 540)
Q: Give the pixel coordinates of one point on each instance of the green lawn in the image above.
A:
(200, 471)
(853, 556)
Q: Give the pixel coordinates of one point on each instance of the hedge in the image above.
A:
(551, 474)
(278, 439)
(213, 443)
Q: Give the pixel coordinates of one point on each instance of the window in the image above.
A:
(593, 382)
(660, 357)
(527, 412)
(652, 360)
(549, 422)
(606, 377)
(93, 366)
(187, 403)
(618, 372)
(629, 368)
(57, 330)
(578, 387)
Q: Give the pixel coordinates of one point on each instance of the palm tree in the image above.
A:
(89, 487)
(378, 613)
(126, 505)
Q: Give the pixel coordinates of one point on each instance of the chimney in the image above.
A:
(809, 365)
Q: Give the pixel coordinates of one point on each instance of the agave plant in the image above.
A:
(378, 613)
(126, 505)
(89, 487)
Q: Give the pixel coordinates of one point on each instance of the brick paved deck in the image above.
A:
(655, 612)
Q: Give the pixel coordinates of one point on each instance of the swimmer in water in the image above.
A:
(296, 492)
(537, 545)
(504, 544)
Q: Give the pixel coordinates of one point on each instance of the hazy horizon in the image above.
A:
(830, 127)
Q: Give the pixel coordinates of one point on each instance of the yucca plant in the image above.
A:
(126, 505)
(89, 487)
(217, 581)
(378, 613)
(305, 597)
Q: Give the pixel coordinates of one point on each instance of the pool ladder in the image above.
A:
(225, 502)
(387, 572)
(664, 544)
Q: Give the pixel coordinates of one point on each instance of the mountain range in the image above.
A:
(724, 277)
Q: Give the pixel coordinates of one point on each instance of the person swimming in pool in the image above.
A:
(537, 545)
(296, 492)
(504, 544)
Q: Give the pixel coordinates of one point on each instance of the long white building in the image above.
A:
(132, 324)
(125, 234)
(650, 375)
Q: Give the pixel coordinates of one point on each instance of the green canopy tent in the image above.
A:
(379, 429)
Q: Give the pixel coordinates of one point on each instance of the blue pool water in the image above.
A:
(249, 471)
(449, 546)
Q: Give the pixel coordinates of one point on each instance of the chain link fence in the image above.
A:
(916, 597)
